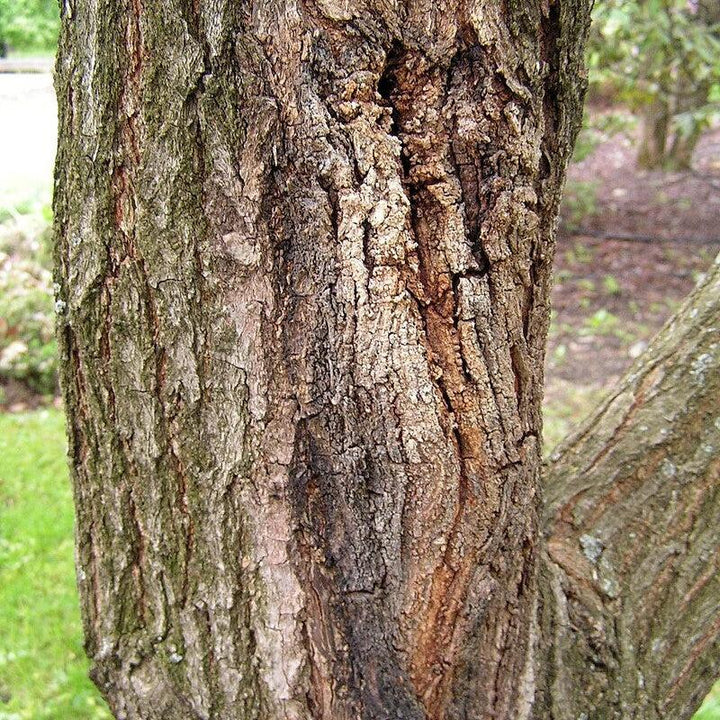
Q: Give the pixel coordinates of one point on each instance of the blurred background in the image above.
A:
(639, 225)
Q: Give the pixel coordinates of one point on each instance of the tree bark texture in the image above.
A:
(304, 254)
(632, 512)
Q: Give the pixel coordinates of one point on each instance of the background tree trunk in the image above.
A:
(663, 146)
(655, 130)
(304, 254)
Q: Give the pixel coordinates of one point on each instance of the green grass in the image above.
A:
(710, 709)
(569, 407)
(43, 669)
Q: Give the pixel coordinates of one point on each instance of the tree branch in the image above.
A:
(632, 512)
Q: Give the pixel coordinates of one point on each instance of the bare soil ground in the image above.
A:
(611, 296)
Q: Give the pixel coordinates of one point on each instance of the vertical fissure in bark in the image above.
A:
(303, 349)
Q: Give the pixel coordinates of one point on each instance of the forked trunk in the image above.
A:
(304, 254)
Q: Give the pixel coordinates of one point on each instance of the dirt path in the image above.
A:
(28, 135)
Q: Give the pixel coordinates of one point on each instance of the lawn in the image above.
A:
(43, 670)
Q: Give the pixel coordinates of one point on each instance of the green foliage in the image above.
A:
(664, 52)
(26, 231)
(27, 314)
(29, 24)
(28, 350)
(646, 47)
(43, 669)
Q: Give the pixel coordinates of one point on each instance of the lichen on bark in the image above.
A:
(305, 250)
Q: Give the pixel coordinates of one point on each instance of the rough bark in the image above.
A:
(304, 253)
(631, 582)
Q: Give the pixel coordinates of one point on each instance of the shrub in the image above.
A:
(29, 24)
(663, 58)
(28, 350)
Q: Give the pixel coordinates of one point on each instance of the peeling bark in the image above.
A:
(304, 252)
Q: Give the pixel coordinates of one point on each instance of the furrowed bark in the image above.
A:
(631, 582)
(303, 257)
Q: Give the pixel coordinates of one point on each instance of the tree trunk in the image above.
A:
(304, 255)
(655, 128)
(630, 579)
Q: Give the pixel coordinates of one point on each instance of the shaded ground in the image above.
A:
(657, 204)
(612, 296)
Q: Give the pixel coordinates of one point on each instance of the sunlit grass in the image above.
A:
(710, 709)
(43, 669)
